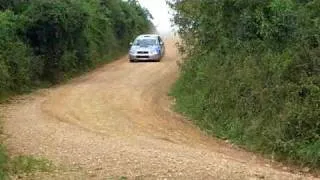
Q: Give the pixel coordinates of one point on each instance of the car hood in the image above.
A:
(145, 48)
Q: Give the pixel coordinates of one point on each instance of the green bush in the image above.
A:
(48, 41)
(253, 73)
(15, 57)
(54, 28)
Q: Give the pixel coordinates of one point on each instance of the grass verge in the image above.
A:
(21, 165)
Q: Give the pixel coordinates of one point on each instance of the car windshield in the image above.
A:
(145, 42)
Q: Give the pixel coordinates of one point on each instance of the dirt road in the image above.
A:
(117, 121)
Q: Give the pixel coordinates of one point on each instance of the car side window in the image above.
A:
(160, 40)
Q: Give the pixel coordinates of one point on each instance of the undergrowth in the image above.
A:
(252, 74)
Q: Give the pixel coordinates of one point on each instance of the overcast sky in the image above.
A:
(160, 13)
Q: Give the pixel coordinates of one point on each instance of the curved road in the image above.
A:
(117, 121)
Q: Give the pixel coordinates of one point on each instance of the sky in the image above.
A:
(160, 13)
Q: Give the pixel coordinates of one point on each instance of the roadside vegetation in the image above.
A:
(21, 165)
(252, 73)
(43, 42)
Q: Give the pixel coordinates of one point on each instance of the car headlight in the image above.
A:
(154, 52)
(132, 51)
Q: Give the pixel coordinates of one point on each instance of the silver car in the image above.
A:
(147, 47)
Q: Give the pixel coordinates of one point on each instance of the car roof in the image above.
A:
(147, 36)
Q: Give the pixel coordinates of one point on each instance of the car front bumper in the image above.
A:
(144, 57)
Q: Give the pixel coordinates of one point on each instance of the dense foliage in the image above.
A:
(48, 41)
(252, 73)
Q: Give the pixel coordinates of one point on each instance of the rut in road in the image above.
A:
(117, 121)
